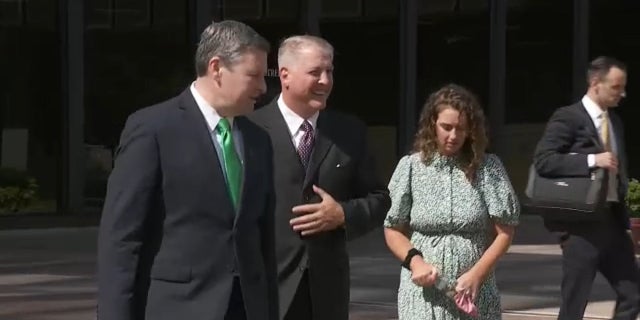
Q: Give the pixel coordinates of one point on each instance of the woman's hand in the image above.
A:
(471, 280)
(469, 283)
(422, 273)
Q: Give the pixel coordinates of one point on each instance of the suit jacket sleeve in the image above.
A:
(268, 242)
(623, 166)
(368, 209)
(130, 193)
(553, 156)
(622, 153)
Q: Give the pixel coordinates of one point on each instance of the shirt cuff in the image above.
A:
(591, 160)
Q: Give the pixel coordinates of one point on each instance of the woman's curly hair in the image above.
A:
(462, 100)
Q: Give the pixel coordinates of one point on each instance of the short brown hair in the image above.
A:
(228, 40)
(600, 66)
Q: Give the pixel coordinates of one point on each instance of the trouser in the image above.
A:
(605, 247)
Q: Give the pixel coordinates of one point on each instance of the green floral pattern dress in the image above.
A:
(451, 221)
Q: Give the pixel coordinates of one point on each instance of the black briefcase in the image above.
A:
(566, 198)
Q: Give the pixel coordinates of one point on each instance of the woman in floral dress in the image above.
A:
(453, 212)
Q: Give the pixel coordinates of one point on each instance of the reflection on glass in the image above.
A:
(453, 47)
(99, 13)
(340, 8)
(242, 9)
(11, 13)
(38, 13)
(132, 13)
(379, 8)
(282, 9)
(127, 68)
(30, 108)
(539, 60)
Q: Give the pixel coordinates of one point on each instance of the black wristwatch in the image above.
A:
(410, 254)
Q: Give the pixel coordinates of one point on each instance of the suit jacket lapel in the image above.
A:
(249, 163)
(617, 135)
(591, 127)
(199, 131)
(616, 124)
(281, 137)
(321, 146)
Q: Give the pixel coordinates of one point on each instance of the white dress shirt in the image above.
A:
(294, 121)
(212, 118)
(595, 112)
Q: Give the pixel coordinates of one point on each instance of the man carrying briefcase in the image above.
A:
(579, 139)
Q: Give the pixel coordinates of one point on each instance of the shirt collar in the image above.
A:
(293, 120)
(210, 114)
(440, 161)
(592, 108)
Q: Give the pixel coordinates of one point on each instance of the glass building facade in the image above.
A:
(72, 70)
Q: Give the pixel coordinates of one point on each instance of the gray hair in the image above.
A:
(228, 40)
(294, 44)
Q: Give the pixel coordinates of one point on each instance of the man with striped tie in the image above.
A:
(326, 186)
(187, 230)
(578, 139)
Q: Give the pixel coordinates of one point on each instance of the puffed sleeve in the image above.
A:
(400, 191)
(499, 196)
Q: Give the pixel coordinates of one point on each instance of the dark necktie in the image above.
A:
(306, 143)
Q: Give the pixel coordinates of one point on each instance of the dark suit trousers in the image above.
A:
(236, 311)
(300, 307)
(606, 247)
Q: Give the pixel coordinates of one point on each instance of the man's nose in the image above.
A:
(325, 78)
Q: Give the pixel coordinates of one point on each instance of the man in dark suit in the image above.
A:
(187, 227)
(578, 139)
(325, 180)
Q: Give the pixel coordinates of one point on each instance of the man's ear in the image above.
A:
(594, 81)
(214, 68)
(283, 73)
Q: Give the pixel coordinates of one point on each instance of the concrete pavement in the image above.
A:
(49, 274)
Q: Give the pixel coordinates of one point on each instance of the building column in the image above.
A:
(407, 111)
(497, 74)
(580, 47)
(71, 176)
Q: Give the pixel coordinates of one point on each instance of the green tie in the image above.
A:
(232, 165)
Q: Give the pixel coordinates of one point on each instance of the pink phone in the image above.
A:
(464, 303)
